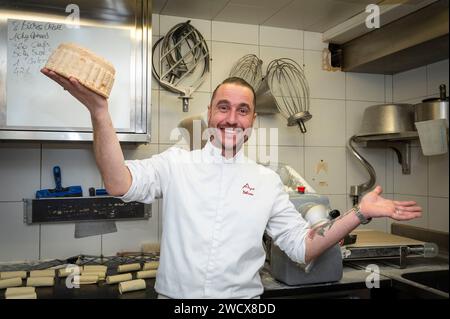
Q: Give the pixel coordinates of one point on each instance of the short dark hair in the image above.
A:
(238, 81)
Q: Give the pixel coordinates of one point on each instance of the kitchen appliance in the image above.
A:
(357, 190)
(387, 248)
(431, 120)
(291, 179)
(184, 61)
(383, 125)
(328, 266)
(285, 90)
(249, 68)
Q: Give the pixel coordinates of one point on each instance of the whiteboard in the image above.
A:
(34, 100)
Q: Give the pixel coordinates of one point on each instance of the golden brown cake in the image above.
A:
(94, 72)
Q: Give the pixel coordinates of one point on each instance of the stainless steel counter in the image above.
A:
(415, 265)
(353, 282)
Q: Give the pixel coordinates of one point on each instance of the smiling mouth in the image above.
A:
(230, 131)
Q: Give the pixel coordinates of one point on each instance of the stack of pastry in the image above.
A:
(41, 278)
(94, 72)
(149, 270)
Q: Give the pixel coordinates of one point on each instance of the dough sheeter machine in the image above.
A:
(387, 248)
(366, 244)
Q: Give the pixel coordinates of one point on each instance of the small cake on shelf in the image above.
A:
(94, 72)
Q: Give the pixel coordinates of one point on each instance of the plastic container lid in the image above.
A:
(433, 136)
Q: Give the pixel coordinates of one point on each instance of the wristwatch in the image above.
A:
(363, 220)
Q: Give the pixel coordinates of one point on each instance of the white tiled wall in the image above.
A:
(57, 241)
(325, 169)
(170, 113)
(313, 41)
(19, 171)
(415, 183)
(410, 84)
(338, 100)
(328, 125)
(365, 87)
(437, 74)
(438, 213)
(17, 240)
(428, 182)
(438, 176)
(323, 84)
(287, 135)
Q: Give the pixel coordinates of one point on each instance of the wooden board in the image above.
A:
(374, 238)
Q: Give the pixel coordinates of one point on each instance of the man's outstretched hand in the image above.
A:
(373, 205)
(93, 101)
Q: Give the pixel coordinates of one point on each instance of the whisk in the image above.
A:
(184, 61)
(290, 89)
(249, 68)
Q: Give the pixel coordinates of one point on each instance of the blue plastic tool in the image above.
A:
(59, 191)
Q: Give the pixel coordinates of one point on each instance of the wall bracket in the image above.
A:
(401, 148)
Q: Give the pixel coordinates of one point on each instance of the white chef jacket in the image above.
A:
(215, 212)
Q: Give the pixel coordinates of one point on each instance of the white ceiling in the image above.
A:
(308, 15)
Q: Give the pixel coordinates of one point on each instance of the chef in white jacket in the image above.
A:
(217, 203)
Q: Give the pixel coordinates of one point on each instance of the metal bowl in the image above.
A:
(386, 119)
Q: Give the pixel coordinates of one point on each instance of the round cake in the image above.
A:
(94, 72)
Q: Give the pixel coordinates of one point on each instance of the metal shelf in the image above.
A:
(400, 143)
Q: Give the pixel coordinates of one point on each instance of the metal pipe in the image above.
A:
(358, 190)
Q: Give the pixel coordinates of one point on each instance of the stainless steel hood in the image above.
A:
(414, 40)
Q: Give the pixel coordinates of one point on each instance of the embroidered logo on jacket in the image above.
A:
(247, 190)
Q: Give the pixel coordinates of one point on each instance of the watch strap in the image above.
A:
(363, 220)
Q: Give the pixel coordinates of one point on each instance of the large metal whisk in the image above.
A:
(184, 56)
(249, 68)
(290, 89)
